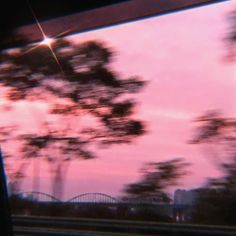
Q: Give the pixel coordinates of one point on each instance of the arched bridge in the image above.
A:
(38, 196)
(80, 198)
(177, 211)
(93, 198)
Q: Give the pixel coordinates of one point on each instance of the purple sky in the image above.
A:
(181, 55)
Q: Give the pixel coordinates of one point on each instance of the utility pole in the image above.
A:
(5, 214)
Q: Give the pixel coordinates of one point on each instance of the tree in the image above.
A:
(157, 177)
(216, 204)
(216, 201)
(73, 81)
(218, 133)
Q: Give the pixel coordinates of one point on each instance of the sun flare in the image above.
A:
(47, 41)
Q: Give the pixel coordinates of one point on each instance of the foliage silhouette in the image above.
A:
(216, 201)
(74, 80)
(218, 131)
(216, 204)
(157, 177)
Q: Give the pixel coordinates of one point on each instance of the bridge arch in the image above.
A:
(93, 198)
(38, 196)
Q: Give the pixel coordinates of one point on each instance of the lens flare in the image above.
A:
(47, 41)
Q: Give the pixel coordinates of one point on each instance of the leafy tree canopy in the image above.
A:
(157, 177)
(74, 81)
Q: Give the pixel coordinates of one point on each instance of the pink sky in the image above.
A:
(181, 56)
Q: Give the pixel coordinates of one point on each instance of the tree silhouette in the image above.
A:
(75, 81)
(216, 201)
(219, 134)
(157, 177)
